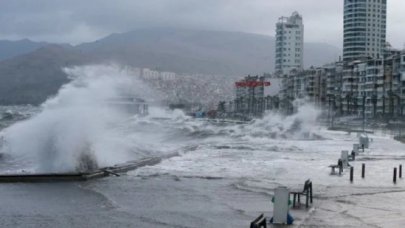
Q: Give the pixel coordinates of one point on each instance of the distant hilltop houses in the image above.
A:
(203, 91)
(147, 73)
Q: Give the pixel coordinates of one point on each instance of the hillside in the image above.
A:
(196, 51)
(32, 77)
(10, 49)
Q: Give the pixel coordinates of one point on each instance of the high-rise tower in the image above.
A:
(364, 29)
(289, 43)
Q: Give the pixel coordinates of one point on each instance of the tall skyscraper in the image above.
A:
(289, 43)
(364, 29)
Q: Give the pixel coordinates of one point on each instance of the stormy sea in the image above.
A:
(212, 173)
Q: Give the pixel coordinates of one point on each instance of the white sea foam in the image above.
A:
(76, 129)
(303, 124)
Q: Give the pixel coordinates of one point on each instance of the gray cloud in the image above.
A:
(76, 21)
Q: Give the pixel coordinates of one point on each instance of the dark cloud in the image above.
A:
(77, 21)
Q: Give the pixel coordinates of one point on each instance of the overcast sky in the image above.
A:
(76, 21)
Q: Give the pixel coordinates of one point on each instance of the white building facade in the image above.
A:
(289, 44)
(364, 29)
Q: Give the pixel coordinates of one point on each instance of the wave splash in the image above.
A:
(302, 125)
(75, 129)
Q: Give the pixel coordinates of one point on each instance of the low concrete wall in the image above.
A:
(98, 173)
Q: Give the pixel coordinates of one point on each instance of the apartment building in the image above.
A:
(289, 44)
(364, 29)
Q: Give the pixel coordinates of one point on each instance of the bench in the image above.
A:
(307, 192)
(339, 165)
(333, 167)
(259, 222)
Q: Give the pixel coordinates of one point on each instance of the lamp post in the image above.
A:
(329, 104)
(348, 99)
(277, 102)
(355, 104)
(340, 105)
(392, 96)
(331, 108)
(267, 102)
(291, 99)
(231, 107)
(383, 100)
(374, 101)
(364, 113)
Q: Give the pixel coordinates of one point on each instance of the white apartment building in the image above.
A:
(289, 44)
(364, 29)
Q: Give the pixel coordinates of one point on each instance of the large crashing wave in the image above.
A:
(75, 129)
(78, 131)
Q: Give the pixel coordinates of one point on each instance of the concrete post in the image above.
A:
(345, 158)
(281, 197)
(351, 173)
(394, 178)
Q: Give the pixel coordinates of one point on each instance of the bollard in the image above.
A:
(400, 171)
(394, 179)
(351, 173)
(363, 170)
(345, 158)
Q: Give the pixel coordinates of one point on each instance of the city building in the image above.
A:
(308, 84)
(168, 76)
(289, 44)
(250, 100)
(364, 29)
(370, 80)
(147, 73)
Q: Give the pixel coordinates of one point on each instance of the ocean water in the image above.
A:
(223, 175)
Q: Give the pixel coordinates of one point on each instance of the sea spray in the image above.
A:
(75, 131)
(300, 125)
(303, 124)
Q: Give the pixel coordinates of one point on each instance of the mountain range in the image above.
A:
(32, 71)
(9, 49)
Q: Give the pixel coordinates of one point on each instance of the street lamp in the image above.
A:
(374, 101)
(277, 102)
(348, 99)
(364, 112)
(331, 113)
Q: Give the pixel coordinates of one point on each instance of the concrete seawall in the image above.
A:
(83, 176)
